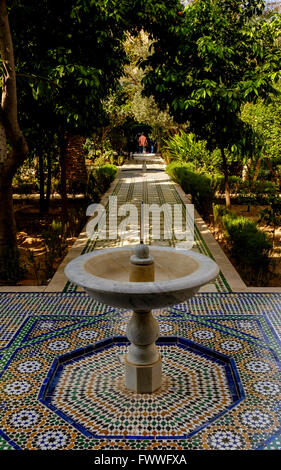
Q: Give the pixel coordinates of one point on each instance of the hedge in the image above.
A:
(196, 184)
(100, 179)
(248, 244)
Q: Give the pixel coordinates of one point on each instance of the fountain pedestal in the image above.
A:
(157, 278)
(143, 364)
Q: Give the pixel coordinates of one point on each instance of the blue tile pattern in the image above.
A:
(222, 349)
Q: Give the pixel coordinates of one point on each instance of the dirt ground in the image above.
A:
(30, 226)
(253, 214)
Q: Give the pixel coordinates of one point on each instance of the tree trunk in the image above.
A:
(10, 271)
(10, 130)
(257, 170)
(226, 180)
(8, 233)
(64, 201)
(49, 181)
(76, 171)
(41, 184)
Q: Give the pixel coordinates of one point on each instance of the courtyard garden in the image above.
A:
(218, 129)
(109, 107)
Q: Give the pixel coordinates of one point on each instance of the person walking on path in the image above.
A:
(143, 142)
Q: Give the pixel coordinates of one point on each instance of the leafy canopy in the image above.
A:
(218, 56)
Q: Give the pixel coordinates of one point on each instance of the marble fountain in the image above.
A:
(141, 279)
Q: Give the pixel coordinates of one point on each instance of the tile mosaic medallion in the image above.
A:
(62, 385)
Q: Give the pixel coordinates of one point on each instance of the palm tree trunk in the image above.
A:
(64, 200)
(41, 184)
(49, 181)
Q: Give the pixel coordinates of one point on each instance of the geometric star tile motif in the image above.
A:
(91, 392)
(39, 329)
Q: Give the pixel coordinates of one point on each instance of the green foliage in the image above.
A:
(185, 147)
(198, 185)
(55, 239)
(59, 75)
(248, 245)
(265, 118)
(235, 184)
(219, 211)
(271, 215)
(25, 182)
(100, 179)
(258, 190)
(218, 56)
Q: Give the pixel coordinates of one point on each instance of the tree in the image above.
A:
(143, 109)
(265, 119)
(58, 70)
(9, 131)
(68, 59)
(218, 56)
(60, 81)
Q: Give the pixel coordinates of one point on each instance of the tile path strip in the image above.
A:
(151, 188)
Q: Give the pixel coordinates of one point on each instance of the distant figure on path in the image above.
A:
(151, 145)
(143, 142)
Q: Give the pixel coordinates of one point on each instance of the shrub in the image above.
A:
(264, 187)
(104, 176)
(198, 185)
(100, 179)
(218, 212)
(186, 148)
(249, 245)
(55, 239)
(235, 184)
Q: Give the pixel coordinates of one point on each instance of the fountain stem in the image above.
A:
(142, 332)
(143, 362)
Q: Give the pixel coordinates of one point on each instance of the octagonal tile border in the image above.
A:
(52, 378)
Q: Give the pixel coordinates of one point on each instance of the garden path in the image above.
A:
(134, 185)
(151, 185)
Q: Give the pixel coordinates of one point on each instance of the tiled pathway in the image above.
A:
(153, 187)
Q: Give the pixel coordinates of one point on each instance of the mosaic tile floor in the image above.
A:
(61, 375)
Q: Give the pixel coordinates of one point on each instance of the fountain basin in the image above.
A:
(104, 274)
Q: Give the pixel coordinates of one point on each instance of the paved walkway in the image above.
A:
(153, 185)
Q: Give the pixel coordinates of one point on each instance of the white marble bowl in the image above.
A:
(104, 274)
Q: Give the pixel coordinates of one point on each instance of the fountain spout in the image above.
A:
(141, 265)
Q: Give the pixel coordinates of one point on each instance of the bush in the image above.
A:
(235, 184)
(100, 179)
(104, 176)
(249, 245)
(218, 212)
(260, 188)
(198, 185)
(186, 148)
(55, 239)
